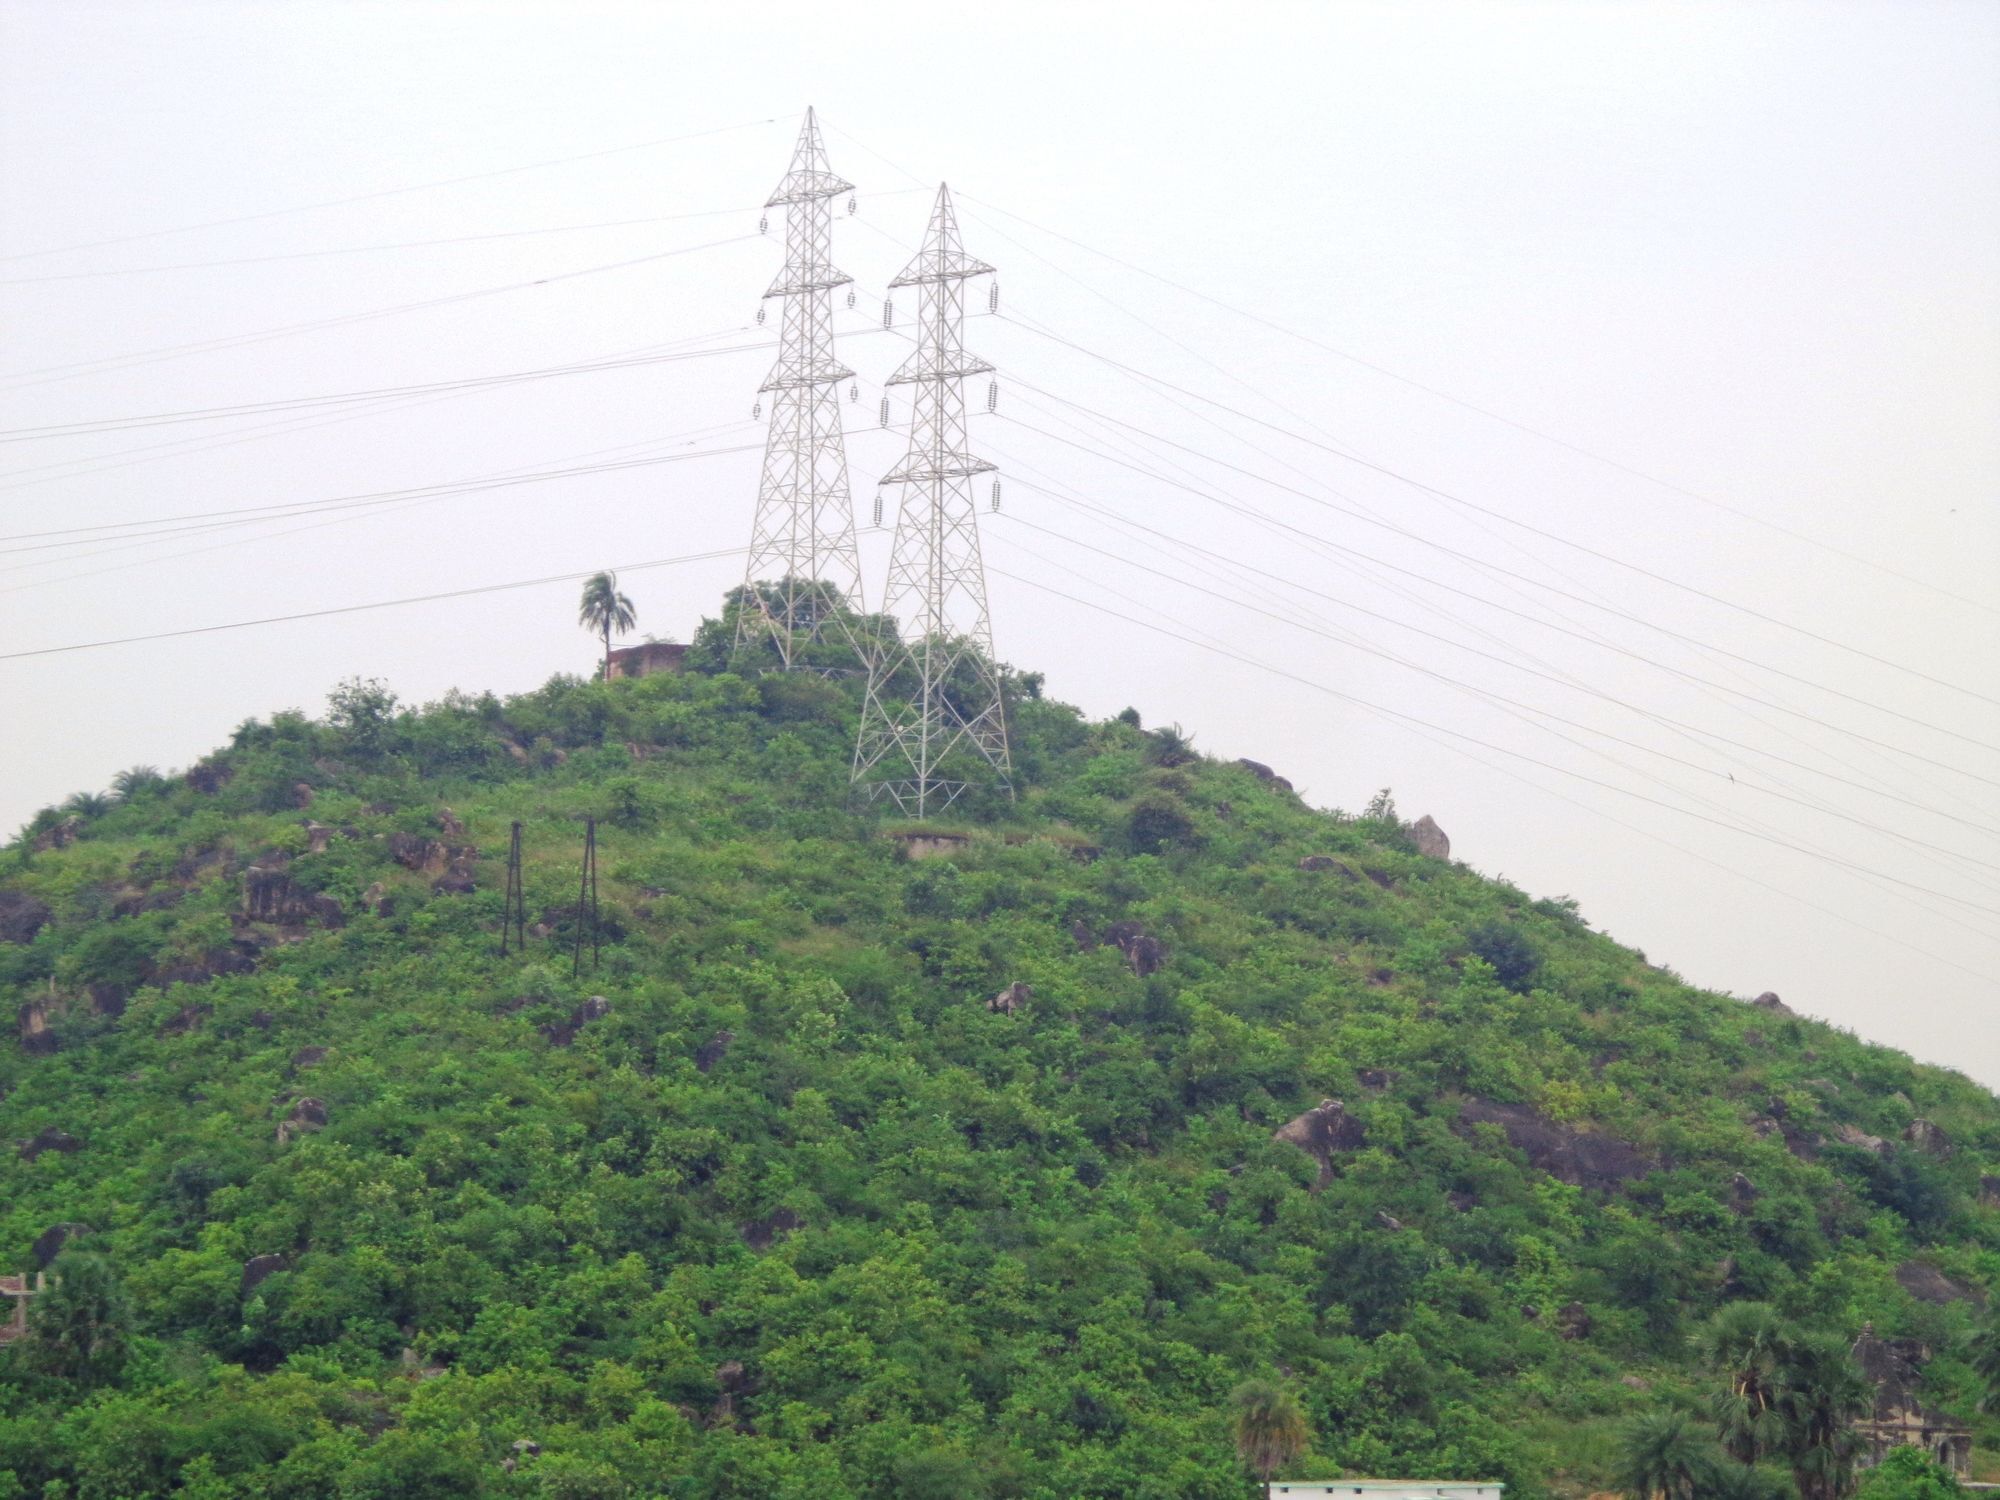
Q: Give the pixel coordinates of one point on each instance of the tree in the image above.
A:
(80, 1328)
(1269, 1427)
(603, 609)
(1907, 1474)
(1664, 1455)
(1748, 1344)
(1820, 1394)
(1985, 1357)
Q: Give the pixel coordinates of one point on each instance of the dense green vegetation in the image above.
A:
(881, 1176)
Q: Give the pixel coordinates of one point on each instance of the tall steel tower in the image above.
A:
(933, 708)
(802, 547)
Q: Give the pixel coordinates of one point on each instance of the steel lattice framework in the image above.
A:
(802, 547)
(934, 688)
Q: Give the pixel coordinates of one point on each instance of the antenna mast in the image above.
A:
(933, 697)
(803, 560)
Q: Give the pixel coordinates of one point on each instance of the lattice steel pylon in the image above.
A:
(803, 559)
(934, 710)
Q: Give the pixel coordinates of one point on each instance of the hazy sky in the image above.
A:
(1734, 690)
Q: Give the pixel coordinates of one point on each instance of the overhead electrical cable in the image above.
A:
(1360, 644)
(1474, 740)
(171, 448)
(1432, 609)
(50, 373)
(453, 239)
(1491, 604)
(427, 493)
(1438, 546)
(1750, 825)
(416, 187)
(1519, 426)
(378, 393)
(1956, 816)
(1502, 517)
(354, 609)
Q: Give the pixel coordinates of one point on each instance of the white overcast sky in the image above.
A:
(1708, 291)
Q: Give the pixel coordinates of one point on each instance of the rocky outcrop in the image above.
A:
(21, 917)
(210, 776)
(1927, 1138)
(932, 845)
(1322, 1131)
(271, 895)
(52, 1241)
(256, 1271)
(712, 1051)
(1989, 1192)
(1861, 1140)
(1573, 1322)
(761, 1234)
(1430, 839)
(1582, 1158)
(306, 1115)
(187, 1018)
(49, 1139)
(1770, 1001)
(1928, 1284)
(451, 866)
(1264, 773)
(38, 1039)
(1011, 999)
(1146, 954)
(1082, 936)
(58, 836)
(562, 1033)
(307, 1057)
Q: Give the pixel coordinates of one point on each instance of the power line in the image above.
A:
(1520, 755)
(1575, 684)
(1519, 426)
(1494, 567)
(1546, 791)
(454, 239)
(418, 187)
(1495, 697)
(1498, 516)
(53, 373)
(379, 393)
(352, 609)
(443, 491)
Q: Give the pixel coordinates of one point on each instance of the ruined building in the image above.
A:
(1899, 1418)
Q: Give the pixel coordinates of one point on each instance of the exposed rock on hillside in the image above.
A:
(1321, 1131)
(1582, 1158)
(1430, 839)
(21, 917)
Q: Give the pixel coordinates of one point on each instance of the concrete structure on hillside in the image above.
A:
(1389, 1489)
(17, 1292)
(647, 658)
(1899, 1418)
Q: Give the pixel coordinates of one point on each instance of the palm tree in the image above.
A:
(604, 610)
(1269, 1427)
(1749, 1344)
(1820, 1395)
(1985, 1357)
(1664, 1456)
(80, 1328)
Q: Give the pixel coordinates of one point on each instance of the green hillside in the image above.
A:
(848, 1173)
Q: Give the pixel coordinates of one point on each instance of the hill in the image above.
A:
(980, 1158)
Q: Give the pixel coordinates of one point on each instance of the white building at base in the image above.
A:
(1387, 1489)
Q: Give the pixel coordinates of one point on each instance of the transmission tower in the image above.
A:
(802, 548)
(933, 706)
